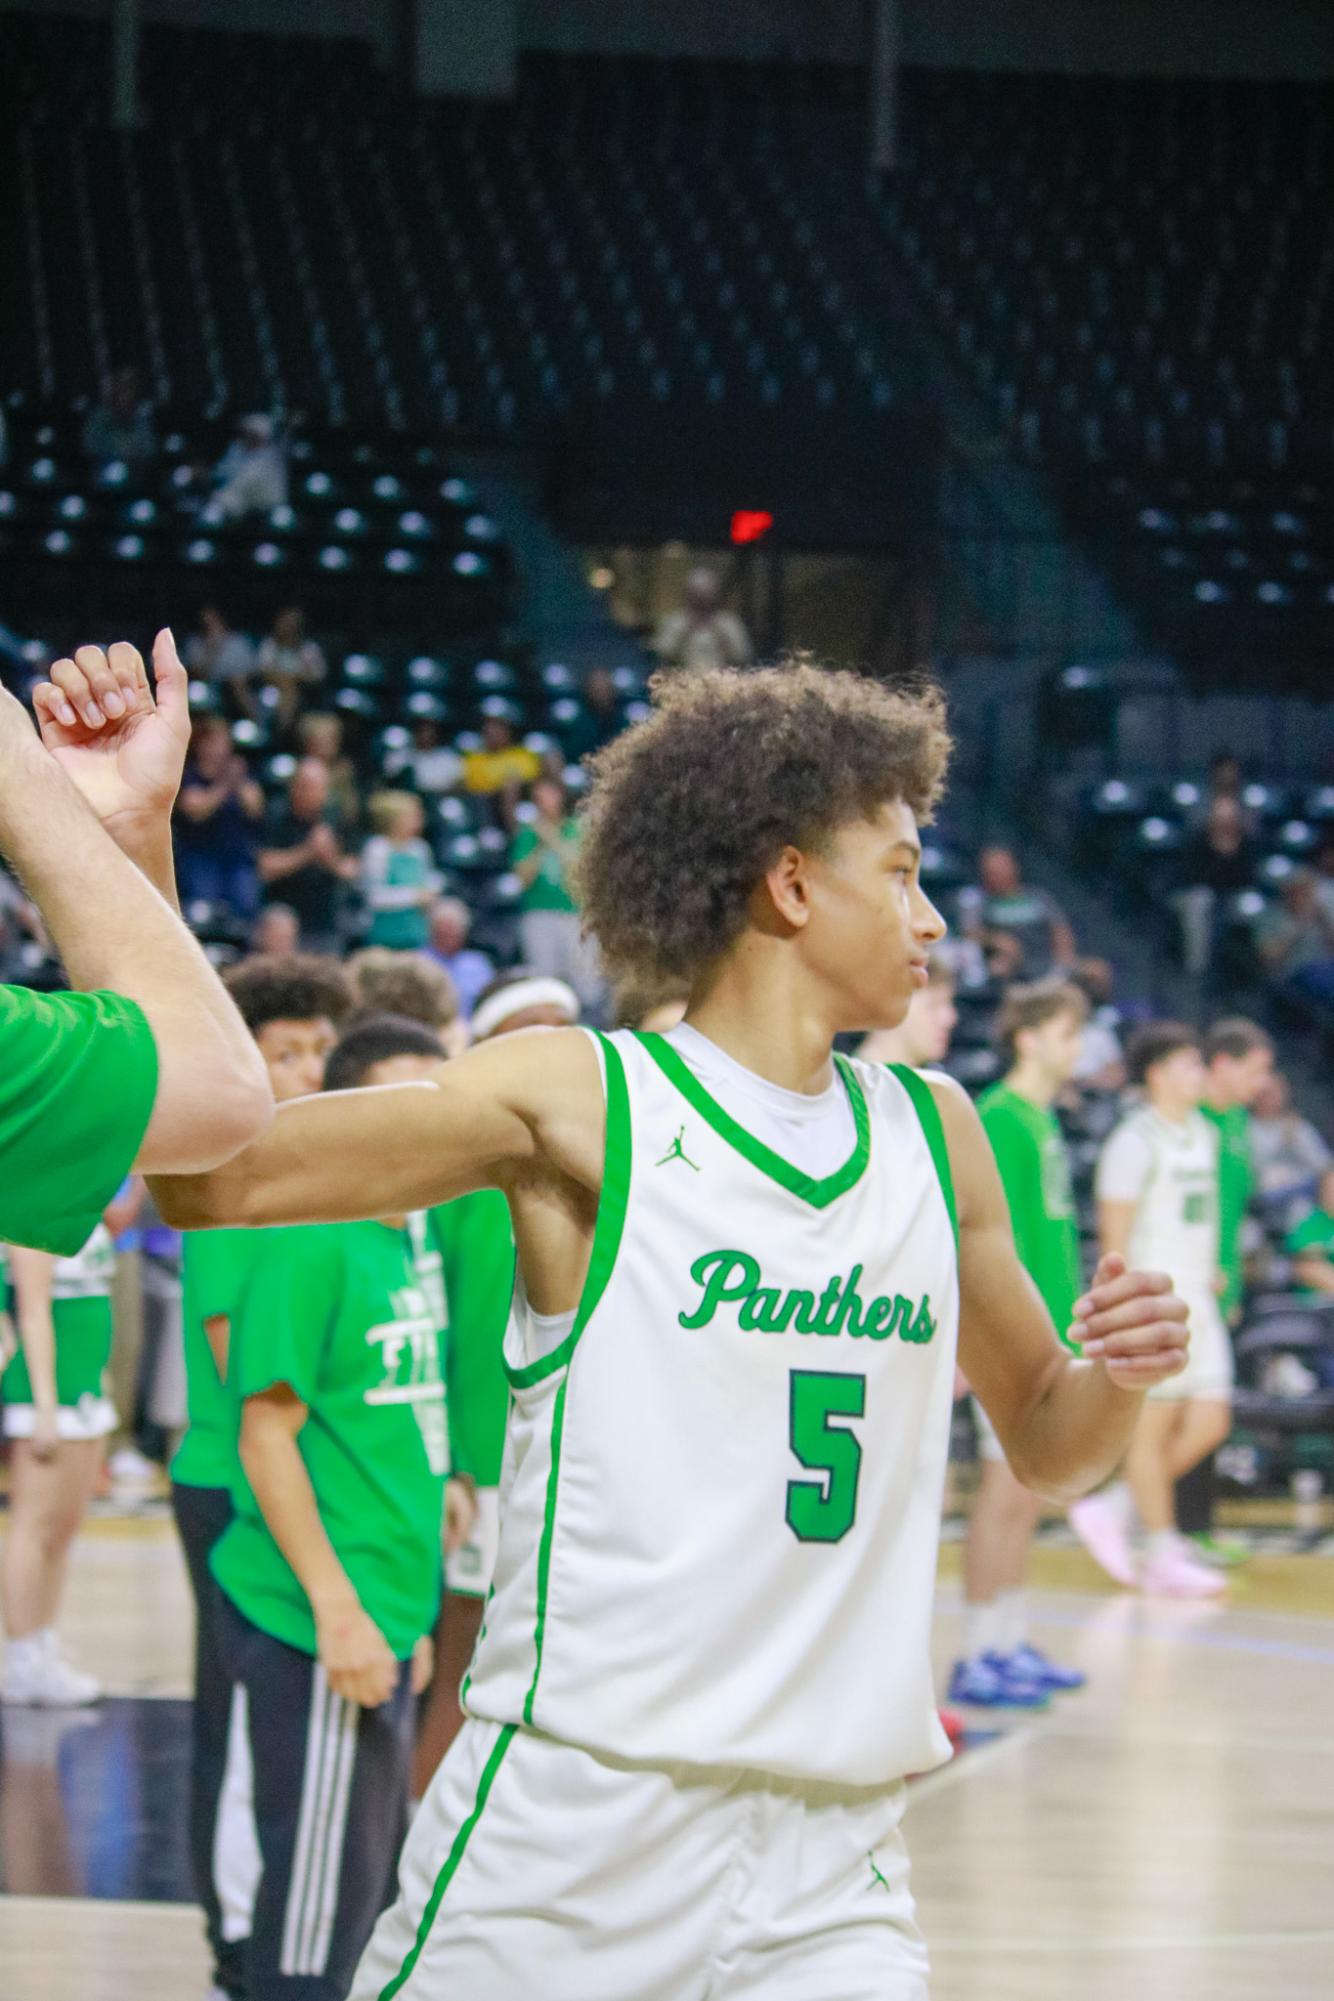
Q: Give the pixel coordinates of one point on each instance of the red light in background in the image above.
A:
(750, 524)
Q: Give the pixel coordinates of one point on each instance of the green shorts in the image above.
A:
(83, 1350)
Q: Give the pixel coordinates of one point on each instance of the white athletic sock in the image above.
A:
(1119, 1498)
(1163, 1542)
(981, 1630)
(1012, 1614)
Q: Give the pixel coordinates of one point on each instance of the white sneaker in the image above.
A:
(41, 1678)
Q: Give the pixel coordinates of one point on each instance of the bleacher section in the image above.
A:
(1138, 279)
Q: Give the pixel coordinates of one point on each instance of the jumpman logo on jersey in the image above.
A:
(676, 1151)
(876, 1873)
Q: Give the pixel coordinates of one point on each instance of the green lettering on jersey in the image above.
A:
(714, 1271)
(734, 1278)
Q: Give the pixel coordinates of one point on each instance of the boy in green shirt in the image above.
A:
(1311, 1244)
(331, 1570)
(1039, 1031)
(293, 1009)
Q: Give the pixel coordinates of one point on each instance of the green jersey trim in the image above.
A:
(450, 1866)
(544, 1546)
(928, 1112)
(612, 1204)
(819, 1193)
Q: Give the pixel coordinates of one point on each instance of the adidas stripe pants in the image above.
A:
(331, 1799)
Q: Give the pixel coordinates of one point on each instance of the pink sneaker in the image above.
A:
(1103, 1533)
(1174, 1574)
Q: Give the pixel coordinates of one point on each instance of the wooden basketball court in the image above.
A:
(1166, 1834)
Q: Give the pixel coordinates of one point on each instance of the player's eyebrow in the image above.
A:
(909, 847)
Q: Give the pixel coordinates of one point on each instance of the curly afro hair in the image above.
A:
(304, 987)
(690, 808)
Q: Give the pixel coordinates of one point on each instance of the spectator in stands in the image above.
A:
(1296, 940)
(216, 822)
(702, 634)
(1311, 1244)
(1288, 1154)
(1218, 860)
(252, 474)
(502, 767)
(225, 658)
(289, 662)
(542, 855)
(399, 878)
(600, 718)
(433, 765)
(120, 427)
(303, 860)
(276, 935)
(320, 734)
(1026, 934)
(1102, 1064)
(470, 970)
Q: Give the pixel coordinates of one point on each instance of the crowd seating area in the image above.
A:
(382, 534)
(1138, 278)
(288, 232)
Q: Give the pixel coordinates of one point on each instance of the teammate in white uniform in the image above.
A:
(703, 1676)
(1158, 1190)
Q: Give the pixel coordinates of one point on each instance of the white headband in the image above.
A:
(517, 998)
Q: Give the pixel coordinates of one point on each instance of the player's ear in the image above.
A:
(783, 897)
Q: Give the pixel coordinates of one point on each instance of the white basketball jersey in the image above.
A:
(1176, 1216)
(721, 1499)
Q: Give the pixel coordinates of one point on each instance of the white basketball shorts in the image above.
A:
(536, 1869)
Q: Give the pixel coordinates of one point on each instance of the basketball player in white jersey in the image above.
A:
(1158, 1188)
(704, 1672)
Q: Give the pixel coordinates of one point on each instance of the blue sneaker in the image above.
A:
(990, 1683)
(1032, 1665)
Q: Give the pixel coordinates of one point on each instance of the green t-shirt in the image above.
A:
(78, 1075)
(549, 889)
(1315, 1233)
(1235, 1181)
(215, 1265)
(1035, 1174)
(336, 1311)
(477, 1249)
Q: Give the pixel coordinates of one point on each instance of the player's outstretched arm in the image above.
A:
(529, 1104)
(111, 928)
(1065, 1423)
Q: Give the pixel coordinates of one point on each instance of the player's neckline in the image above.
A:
(819, 1192)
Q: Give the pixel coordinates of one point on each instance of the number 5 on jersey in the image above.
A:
(824, 1510)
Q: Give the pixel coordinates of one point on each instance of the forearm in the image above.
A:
(1076, 1433)
(277, 1473)
(148, 845)
(275, 863)
(1316, 1273)
(102, 916)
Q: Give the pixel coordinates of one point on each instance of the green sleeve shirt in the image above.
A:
(78, 1076)
(1235, 1181)
(336, 1312)
(1035, 1174)
(1313, 1236)
(549, 889)
(215, 1265)
(477, 1249)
